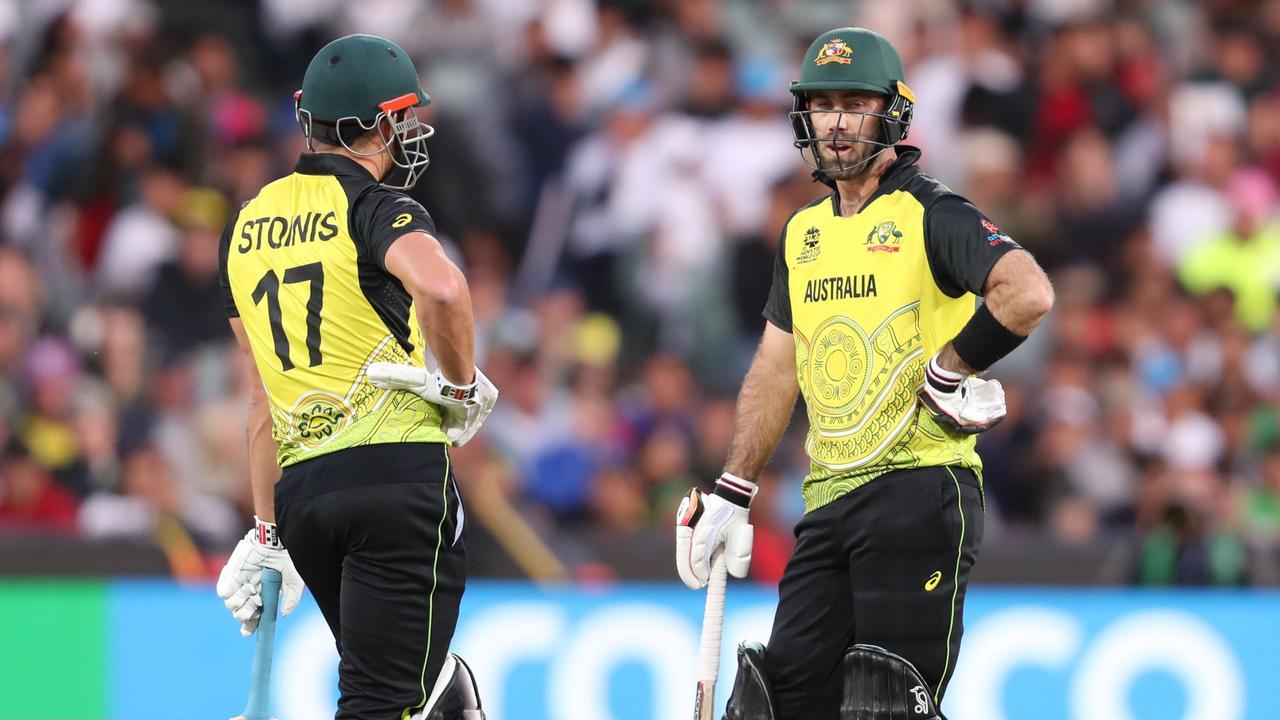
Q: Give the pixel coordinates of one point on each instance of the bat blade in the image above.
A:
(259, 705)
(709, 648)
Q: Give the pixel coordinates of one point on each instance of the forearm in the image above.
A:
(263, 470)
(764, 408)
(448, 327)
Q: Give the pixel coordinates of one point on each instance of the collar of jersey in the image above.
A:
(894, 177)
(315, 163)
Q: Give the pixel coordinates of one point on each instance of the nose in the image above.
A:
(842, 122)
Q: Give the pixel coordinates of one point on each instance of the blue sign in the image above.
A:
(630, 653)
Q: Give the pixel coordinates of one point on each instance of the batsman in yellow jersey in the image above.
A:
(336, 288)
(872, 316)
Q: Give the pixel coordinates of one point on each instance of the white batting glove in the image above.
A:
(465, 407)
(707, 525)
(240, 582)
(965, 403)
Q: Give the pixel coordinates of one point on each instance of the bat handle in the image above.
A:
(709, 650)
(258, 707)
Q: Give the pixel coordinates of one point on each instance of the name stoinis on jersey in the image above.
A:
(280, 232)
(847, 287)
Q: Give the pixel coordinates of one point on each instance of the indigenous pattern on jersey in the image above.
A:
(869, 299)
(302, 266)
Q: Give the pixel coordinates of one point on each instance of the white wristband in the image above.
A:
(266, 534)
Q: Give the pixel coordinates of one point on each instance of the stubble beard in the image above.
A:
(853, 170)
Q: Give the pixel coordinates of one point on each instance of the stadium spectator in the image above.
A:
(611, 174)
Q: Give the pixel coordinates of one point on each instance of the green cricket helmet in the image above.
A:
(351, 86)
(856, 60)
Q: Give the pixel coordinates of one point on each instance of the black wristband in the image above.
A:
(983, 340)
(736, 490)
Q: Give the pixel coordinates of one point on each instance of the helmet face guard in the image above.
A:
(406, 147)
(895, 120)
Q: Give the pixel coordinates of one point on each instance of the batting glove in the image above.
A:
(240, 582)
(965, 403)
(465, 407)
(707, 525)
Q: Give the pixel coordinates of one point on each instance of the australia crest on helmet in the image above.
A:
(835, 50)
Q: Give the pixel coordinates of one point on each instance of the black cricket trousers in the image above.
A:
(886, 564)
(375, 531)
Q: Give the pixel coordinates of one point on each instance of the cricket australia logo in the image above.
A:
(921, 700)
(810, 251)
(885, 237)
(836, 51)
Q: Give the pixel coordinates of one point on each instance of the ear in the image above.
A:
(385, 130)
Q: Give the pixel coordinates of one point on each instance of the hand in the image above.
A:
(465, 407)
(710, 524)
(965, 403)
(240, 582)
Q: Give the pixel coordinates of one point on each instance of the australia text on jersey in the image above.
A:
(841, 287)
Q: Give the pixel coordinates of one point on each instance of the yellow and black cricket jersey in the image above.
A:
(302, 266)
(869, 299)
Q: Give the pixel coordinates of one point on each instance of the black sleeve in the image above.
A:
(224, 281)
(380, 217)
(962, 245)
(777, 309)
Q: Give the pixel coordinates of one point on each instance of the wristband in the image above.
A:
(736, 490)
(983, 340)
(940, 378)
(457, 393)
(267, 534)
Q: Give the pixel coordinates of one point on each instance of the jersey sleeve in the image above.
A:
(382, 216)
(962, 245)
(777, 309)
(224, 280)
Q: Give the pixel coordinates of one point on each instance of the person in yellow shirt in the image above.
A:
(1245, 260)
(335, 287)
(871, 317)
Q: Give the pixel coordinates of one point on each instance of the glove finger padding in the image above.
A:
(984, 404)
(477, 410)
(737, 550)
(291, 586)
(229, 580)
(987, 396)
(687, 565)
(974, 406)
(248, 603)
(397, 376)
(705, 527)
(240, 580)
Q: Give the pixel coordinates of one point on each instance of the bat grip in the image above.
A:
(712, 624)
(258, 707)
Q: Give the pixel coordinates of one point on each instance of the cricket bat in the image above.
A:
(259, 705)
(709, 650)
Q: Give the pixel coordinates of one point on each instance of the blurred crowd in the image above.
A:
(613, 176)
